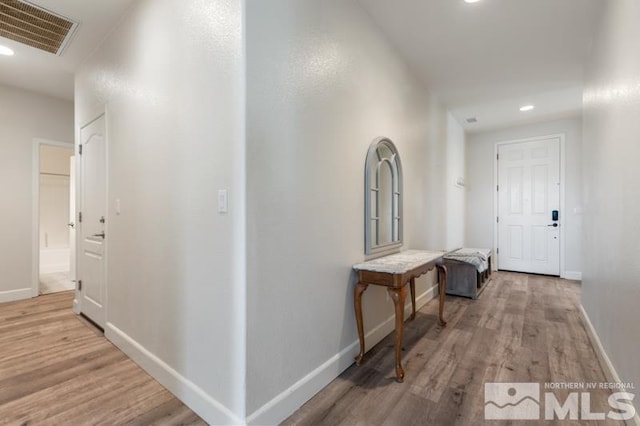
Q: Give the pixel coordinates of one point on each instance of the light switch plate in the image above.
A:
(223, 201)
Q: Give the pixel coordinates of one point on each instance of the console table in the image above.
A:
(395, 272)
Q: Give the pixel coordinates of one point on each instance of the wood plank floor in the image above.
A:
(524, 328)
(56, 369)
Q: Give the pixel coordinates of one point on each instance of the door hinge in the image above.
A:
(80, 217)
(80, 150)
(497, 220)
(497, 156)
(497, 251)
(79, 285)
(497, 187)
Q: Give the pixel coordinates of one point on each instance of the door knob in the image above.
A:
(71, 224)
(555, 225)
(102, 234)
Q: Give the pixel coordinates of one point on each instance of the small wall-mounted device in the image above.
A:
(223, 201)
(554, 215)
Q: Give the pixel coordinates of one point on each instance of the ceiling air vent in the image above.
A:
(34, 26)
(471, 120)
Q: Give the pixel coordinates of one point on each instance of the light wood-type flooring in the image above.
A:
(523, 328)
(56, 369)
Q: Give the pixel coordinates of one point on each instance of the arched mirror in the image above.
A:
(383, 197)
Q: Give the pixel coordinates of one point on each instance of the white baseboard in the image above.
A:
(211, 410)
(572, 275)
(13, 295)
(283, 405)
(605, 363)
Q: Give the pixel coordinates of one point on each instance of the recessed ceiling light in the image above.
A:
(526, 108)
(471, 1)
(4, 50)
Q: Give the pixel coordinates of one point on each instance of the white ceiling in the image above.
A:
(483, 60)
(486, 59)
(47, 73)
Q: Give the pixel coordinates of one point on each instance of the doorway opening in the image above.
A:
(54, 212)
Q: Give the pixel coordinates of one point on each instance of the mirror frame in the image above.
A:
(396, 170)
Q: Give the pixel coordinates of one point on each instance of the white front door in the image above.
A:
(528, 194)
(91, 258)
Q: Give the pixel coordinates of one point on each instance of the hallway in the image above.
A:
(221, 197)
(523, 328)
(57, 369)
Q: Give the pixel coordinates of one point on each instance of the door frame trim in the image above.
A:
(563, 214)
(97, 113)
(35, 207)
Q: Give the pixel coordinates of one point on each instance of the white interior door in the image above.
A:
(92, 227)
(528, 193)
(72, 219)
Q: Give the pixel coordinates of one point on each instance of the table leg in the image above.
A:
(442, 273)
(357, 300)
(412, 286)
(398, 295)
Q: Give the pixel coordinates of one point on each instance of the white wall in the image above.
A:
(611, 153)
(55, 159)
(171, 79)
(23, 116)
(322, 84)
(456, 194)
(481, 189)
